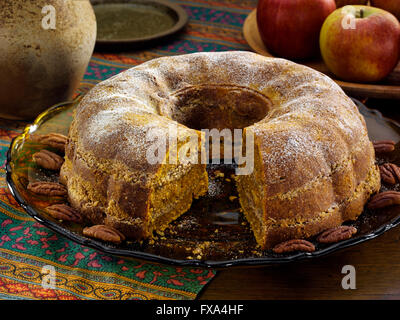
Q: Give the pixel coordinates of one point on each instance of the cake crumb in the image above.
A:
(219, 174)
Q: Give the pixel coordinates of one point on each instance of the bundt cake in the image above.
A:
(314, 165)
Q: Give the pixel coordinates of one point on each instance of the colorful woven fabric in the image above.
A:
(28, 249)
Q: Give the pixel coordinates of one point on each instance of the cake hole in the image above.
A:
(219, 107)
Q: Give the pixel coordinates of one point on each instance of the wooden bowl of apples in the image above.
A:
(352, 41)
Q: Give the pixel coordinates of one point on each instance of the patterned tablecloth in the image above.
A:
(29, 250)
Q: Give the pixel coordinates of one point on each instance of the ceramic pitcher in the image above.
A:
(45, 48)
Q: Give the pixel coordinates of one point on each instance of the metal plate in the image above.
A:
(136, 22)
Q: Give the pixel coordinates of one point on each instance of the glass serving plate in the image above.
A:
(213, 233)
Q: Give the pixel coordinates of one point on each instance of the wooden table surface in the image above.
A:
(376, 262)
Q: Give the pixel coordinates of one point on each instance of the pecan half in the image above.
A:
(48, 160)
(384, 199)
(47, 188)
(105, 233)
(384, 146)
(390, 173)
(64, 212)
(336, 234)
(294, 245)
(54, 140)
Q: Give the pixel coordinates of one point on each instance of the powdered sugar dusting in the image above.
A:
(104, 123)
(311, 116)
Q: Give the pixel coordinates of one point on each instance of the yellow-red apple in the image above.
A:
(360, 43)
(392, 6)
(290, 29)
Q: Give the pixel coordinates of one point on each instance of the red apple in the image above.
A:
(342, 3)
(392, 6)
(360, 43)
(290, 28)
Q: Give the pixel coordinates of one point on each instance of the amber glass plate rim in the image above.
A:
(253, 261)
